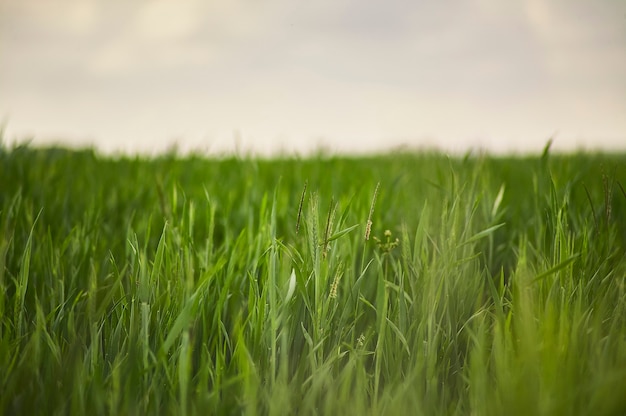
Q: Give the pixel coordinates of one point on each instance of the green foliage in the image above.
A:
(181, 285)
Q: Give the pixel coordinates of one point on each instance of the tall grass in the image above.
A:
(180, 285)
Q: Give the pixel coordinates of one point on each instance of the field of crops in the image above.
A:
(397, 284)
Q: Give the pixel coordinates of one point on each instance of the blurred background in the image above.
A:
(294, 76)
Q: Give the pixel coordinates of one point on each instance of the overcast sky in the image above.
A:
(349, 75)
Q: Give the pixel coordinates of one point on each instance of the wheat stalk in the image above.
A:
(300, 207)
(368, 227)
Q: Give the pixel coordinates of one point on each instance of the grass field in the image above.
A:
(181, 285)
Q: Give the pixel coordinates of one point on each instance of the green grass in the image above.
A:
(178, 285)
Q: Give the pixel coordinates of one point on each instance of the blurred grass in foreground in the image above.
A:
(178, 285)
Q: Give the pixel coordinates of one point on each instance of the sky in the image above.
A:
(348, 76)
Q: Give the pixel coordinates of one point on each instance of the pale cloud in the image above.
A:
(164, 20)
(366, 72)
(153, 35)
(171, 34)
(127, 56)
(76, 17)
(582, 44)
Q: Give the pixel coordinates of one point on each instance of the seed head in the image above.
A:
(368, 227)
